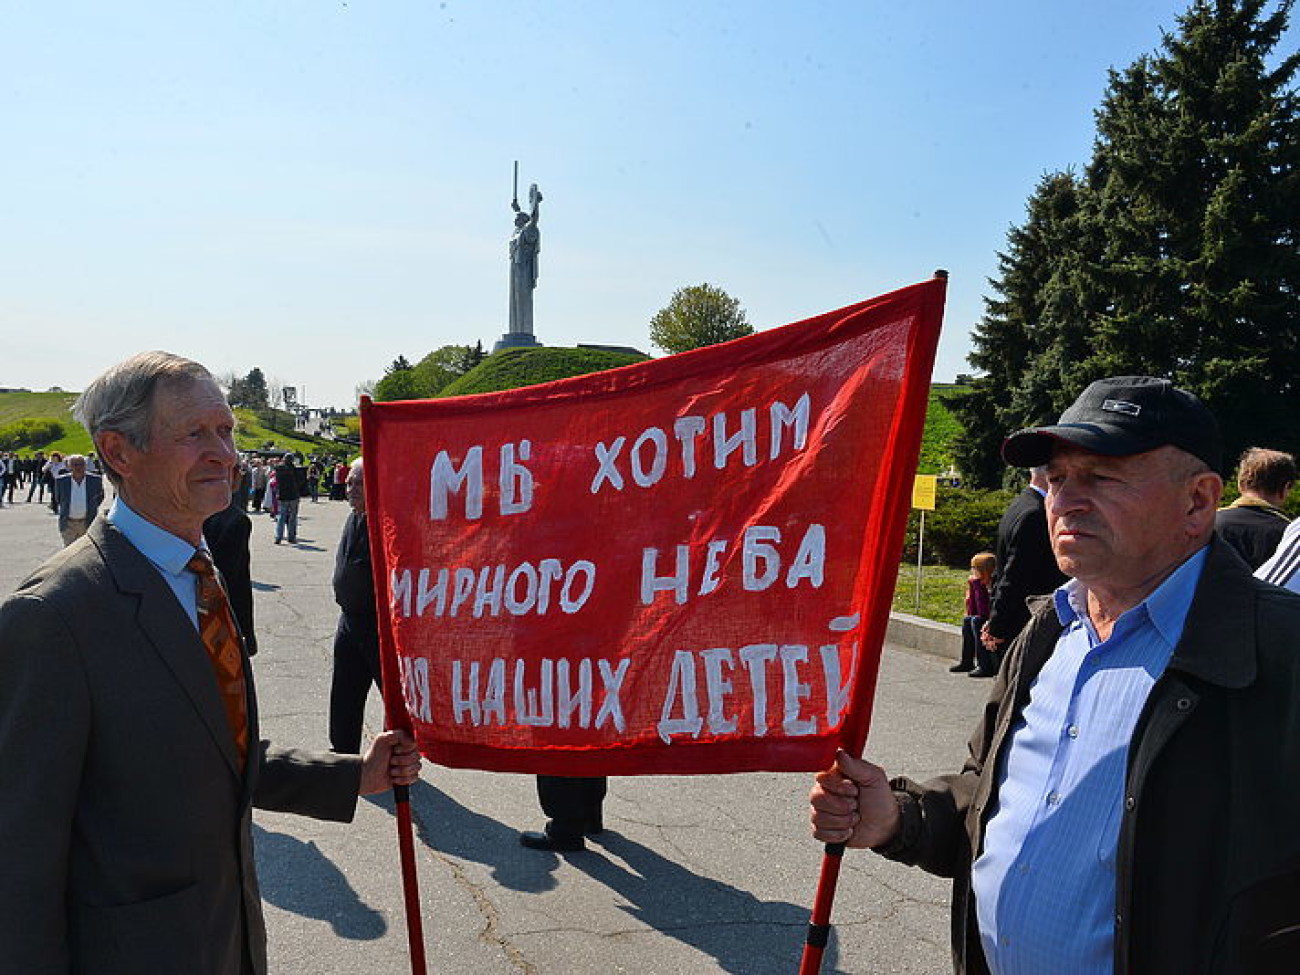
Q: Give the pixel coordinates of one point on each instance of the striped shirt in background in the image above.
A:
(1283, 568)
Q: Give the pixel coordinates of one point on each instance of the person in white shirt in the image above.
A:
(77, 497)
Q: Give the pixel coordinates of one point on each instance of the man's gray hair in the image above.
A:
(121, 398)
(355, 465)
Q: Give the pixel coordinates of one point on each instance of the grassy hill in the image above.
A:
(941, 430)
(504, 370)
(40, 406)
(528, 367)
(250, 434)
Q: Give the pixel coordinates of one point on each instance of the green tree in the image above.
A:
(1032, 331)
(1175, 254)
(398, 384)
(443, 365)
(250, 391)
(1196, 178)
(697, 316)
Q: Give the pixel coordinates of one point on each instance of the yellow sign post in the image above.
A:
(924, 489)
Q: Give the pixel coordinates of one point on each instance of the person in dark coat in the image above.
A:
(1128, 803)
(1254, 523)
(1026, 567)
(290, 486)
(227, 534)
(356, 640)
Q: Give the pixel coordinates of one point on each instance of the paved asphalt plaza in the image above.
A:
(693, 874)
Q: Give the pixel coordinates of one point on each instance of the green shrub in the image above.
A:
(965, 521)
(34, 432)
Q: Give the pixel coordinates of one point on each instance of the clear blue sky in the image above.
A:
(314, 188)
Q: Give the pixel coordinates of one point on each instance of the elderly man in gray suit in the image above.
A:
(129, 749)
(77, 497)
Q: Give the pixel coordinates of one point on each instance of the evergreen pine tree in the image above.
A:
(1031, 330)
(1176, 255)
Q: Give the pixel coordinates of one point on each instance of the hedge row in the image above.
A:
(32, 432)
(965, 521)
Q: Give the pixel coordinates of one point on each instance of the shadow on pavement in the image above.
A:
(296, 877)
(743, 934)
(443, 824)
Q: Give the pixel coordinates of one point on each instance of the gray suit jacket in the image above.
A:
(125, 820)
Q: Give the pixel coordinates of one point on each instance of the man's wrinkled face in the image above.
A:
(185, 474)
(355, 487)
(1122, 521)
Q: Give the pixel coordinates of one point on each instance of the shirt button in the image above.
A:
(1073, 731)
(1053, 798)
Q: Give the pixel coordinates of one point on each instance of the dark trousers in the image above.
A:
(39, 482)
(573, 805)
(972, 648)
(970, 639)
(356, 667)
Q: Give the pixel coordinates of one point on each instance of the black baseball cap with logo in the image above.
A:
(1124, 415)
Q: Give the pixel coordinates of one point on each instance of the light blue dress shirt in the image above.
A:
(168, 553)
(1045, 882)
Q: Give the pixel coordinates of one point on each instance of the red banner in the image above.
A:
(680, 566)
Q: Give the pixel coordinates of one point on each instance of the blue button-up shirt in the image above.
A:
(168, 553)
(1045, 882)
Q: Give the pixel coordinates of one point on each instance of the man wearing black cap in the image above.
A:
(1130, 803)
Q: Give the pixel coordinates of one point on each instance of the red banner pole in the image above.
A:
(395, 716)
(819, 928)
(410, 882)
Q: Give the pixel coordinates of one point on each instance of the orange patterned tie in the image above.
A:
(220, 637)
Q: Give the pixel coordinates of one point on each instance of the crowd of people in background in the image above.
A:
(270, 482)
(36, 472)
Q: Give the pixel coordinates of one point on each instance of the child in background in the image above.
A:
(978, 584)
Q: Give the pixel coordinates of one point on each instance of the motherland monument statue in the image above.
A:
(525, 245)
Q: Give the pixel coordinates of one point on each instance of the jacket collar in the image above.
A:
(1218, 643)
(171, 634)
